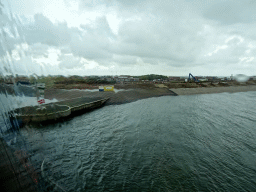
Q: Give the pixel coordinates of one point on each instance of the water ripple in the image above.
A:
(186, 143)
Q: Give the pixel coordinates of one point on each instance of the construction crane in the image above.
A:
(192, 77)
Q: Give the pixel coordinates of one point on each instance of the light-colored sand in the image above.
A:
(209, 90)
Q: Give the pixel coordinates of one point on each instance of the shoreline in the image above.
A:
(116, 98)
(127, 96)
(212, 90)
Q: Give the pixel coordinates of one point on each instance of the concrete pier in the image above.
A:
(54, 111)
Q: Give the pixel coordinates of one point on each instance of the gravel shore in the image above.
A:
(130, 95)
(116, 98)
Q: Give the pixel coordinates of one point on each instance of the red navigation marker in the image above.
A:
(41, 101)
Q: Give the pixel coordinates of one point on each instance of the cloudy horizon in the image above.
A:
(114, 37)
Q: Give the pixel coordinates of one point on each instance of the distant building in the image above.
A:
(202, 79)
(126, 78)
(110, 79)
(41, 85)
(174, 78)
(27, 83)
(21, 78)
(212, 78)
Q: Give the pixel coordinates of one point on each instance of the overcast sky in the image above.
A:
(135, 37)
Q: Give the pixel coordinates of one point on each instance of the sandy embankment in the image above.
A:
(209, 90)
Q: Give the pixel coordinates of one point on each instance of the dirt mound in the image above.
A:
(160, 86)
(183, 85)
(135, 86)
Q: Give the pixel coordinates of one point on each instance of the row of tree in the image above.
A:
(75, 79)
(152, 77)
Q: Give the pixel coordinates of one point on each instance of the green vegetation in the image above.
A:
(51, 80)
(151, 77)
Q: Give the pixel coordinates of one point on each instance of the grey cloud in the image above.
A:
(223, 11)
(162, 31)
(232, 54)
(38, 50)
(9, 33)
(157, 32)
(65, 50)
(159, 39)
(69, 62)
(230, 12)
(93, 41)
(154, 37)
(125, 59)
(45, 32)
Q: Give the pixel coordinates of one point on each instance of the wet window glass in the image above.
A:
(127, 95)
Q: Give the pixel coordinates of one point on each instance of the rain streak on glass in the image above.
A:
(68, 122)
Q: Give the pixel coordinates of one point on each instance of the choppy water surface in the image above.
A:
(184, 143)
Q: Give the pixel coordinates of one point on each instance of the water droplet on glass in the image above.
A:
(241, 78)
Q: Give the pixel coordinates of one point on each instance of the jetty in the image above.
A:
(54, 111)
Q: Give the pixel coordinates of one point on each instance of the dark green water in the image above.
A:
(184, 143)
